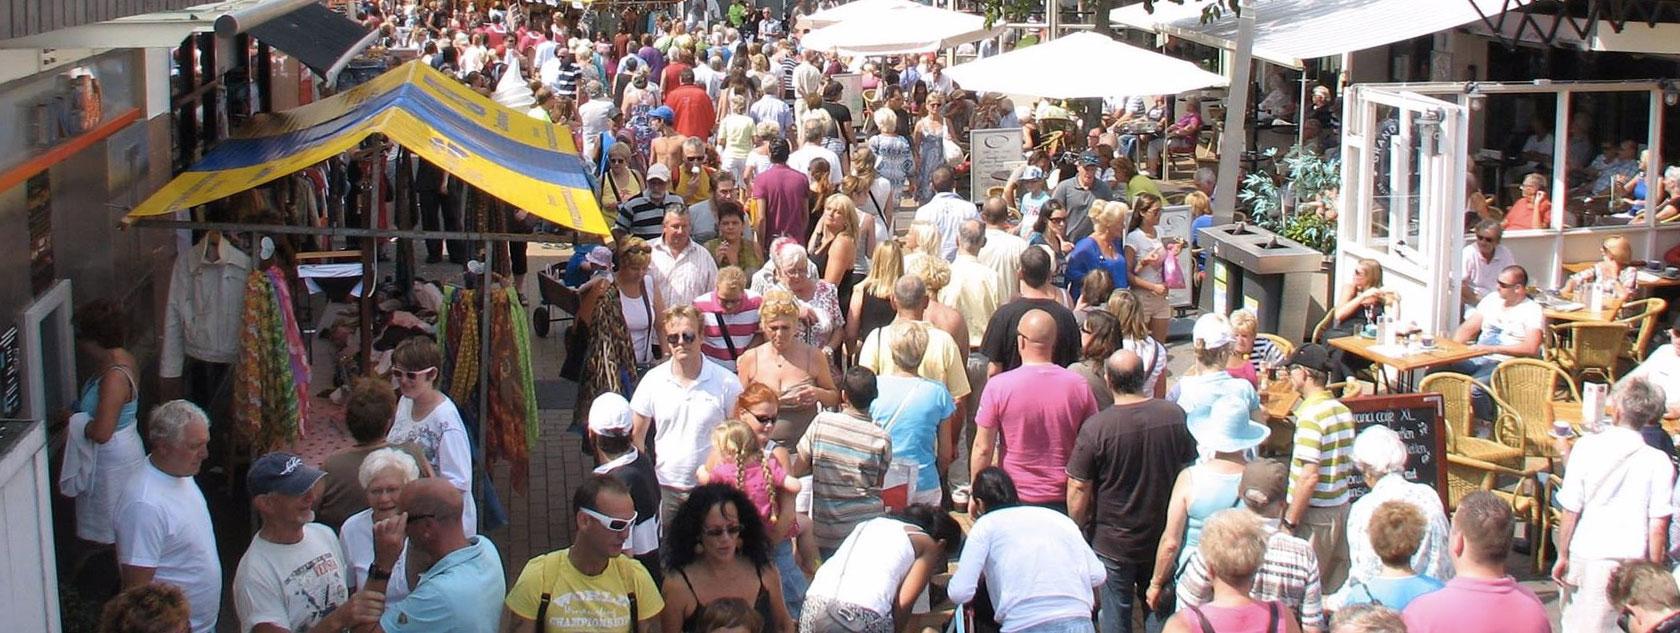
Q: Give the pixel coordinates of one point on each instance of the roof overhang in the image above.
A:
(161, 29)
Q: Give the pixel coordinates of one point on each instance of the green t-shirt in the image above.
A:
(737, 15)
(579, 603)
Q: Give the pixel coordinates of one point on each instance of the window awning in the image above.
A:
(1286, 32)
(159, 29)
(321, 38)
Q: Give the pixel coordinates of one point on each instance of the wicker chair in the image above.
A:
(1530, 386)
(1323, 324)
(1642, 319)
(1582, 347)
(1282, 345)
(1506, 444)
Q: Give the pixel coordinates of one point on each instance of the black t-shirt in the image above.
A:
(1131, 455)
(643, 482)
(841, 114)
(999, 343)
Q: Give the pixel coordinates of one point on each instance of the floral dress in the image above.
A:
(932, 149)
(638, 122)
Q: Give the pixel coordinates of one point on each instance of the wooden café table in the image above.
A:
(1446, 352)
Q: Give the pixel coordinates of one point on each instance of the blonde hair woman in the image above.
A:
(928, 142)
(1104, 248)
(1616, 253)
(834, 244)
(1135, 336)
(922, 240)
(871, 306)
(1253, 354)
(797, 371)
(935, 273)
(1233, 548)
(873, 195)
(735, 136)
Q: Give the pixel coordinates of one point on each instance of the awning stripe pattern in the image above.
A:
(526, 162)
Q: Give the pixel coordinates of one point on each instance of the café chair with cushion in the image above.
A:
(1585, 347)
(1641, 317)
(1530, 386)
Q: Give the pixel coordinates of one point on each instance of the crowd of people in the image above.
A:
(786, 396)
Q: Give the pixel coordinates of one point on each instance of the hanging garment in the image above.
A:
(271, 376)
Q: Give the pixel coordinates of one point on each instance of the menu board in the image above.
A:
(994, 153)
(1417, 418)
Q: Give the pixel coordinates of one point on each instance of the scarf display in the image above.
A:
(271, 375)
(510, 427)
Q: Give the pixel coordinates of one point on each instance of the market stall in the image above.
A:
(505, 160)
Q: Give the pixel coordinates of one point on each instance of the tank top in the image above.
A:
(876, 313)
(868, 567)
(89, 402)
(638, 318)
(1210, 492)
(1254, 617)
(761, 604)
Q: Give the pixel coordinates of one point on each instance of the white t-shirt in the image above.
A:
(1618, 484)
(868, 567)
(800, 161)
(1662, 368)
(356, 537)
(1507, 325)
(1052, 580)
(683, 418)
(1143, 245)
(163, 523)
(294, 586)
(442, 437)
(1483, 275)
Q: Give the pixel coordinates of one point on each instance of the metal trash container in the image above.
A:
(1254, 268)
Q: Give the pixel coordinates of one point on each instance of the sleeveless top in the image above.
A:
(875, 314)
(1210, 492)
(89, 402)
(761, 604)
(819, 258)
(868, 567)
(1255, 617)
(638, 318)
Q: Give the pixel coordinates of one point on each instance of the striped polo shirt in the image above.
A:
(1324, 435)
(642, 217)
(740, 324)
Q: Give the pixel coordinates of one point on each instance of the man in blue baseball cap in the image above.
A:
(1077, 194)
(666, 146)
(294, 576)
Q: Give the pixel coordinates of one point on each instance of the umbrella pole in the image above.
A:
(1236, 117)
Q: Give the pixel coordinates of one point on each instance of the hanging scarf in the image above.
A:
(267, 397)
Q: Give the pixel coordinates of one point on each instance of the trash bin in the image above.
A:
(1250, 267)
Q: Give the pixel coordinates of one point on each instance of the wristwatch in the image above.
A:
(377, 573)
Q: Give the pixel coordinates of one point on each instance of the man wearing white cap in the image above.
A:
(1118, 481)
(643, 216)
(610, 424)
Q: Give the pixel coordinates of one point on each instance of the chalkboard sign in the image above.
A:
(1417, 418)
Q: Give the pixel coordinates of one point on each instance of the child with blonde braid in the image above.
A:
(739, 460)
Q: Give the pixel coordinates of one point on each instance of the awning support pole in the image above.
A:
(1231, 145)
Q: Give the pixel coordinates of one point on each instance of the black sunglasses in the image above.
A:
(732, 530)
(1509, 286)
(766, 420)
(680, 339)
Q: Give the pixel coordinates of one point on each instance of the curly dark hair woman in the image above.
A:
(718, 542)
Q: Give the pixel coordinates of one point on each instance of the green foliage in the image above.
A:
(1018, 10)
(1312, 182)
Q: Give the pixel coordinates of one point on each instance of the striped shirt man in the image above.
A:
(642, 217)
(1324, 435)
(726, 332)
(849, 455)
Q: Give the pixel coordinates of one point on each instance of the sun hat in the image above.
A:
(1227, 428)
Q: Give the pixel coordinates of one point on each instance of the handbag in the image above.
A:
(1171, 274)
(953, 152)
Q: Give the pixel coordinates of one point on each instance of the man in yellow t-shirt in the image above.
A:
(590, 587)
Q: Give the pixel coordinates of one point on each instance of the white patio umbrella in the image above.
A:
(1082, 65)
(908, 30)
(836, 15)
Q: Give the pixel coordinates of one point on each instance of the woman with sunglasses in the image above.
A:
(718, 548)
(620, 182)
(383, 475)
(797, 371)
(428, 418)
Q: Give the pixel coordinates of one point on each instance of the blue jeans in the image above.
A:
(1122, 592)
(1067, 625)
(794, 583)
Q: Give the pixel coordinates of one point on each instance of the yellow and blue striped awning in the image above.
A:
(529, 163)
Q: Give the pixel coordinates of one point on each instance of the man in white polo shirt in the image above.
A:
(1482, 262)
(681, 400)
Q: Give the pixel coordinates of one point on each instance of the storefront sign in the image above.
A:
(995, 154)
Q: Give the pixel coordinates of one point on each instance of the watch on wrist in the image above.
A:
(375, 572)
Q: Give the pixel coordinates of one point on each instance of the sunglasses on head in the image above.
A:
(611, 522)
(733, 530)
(682, 338)
(410, 375)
